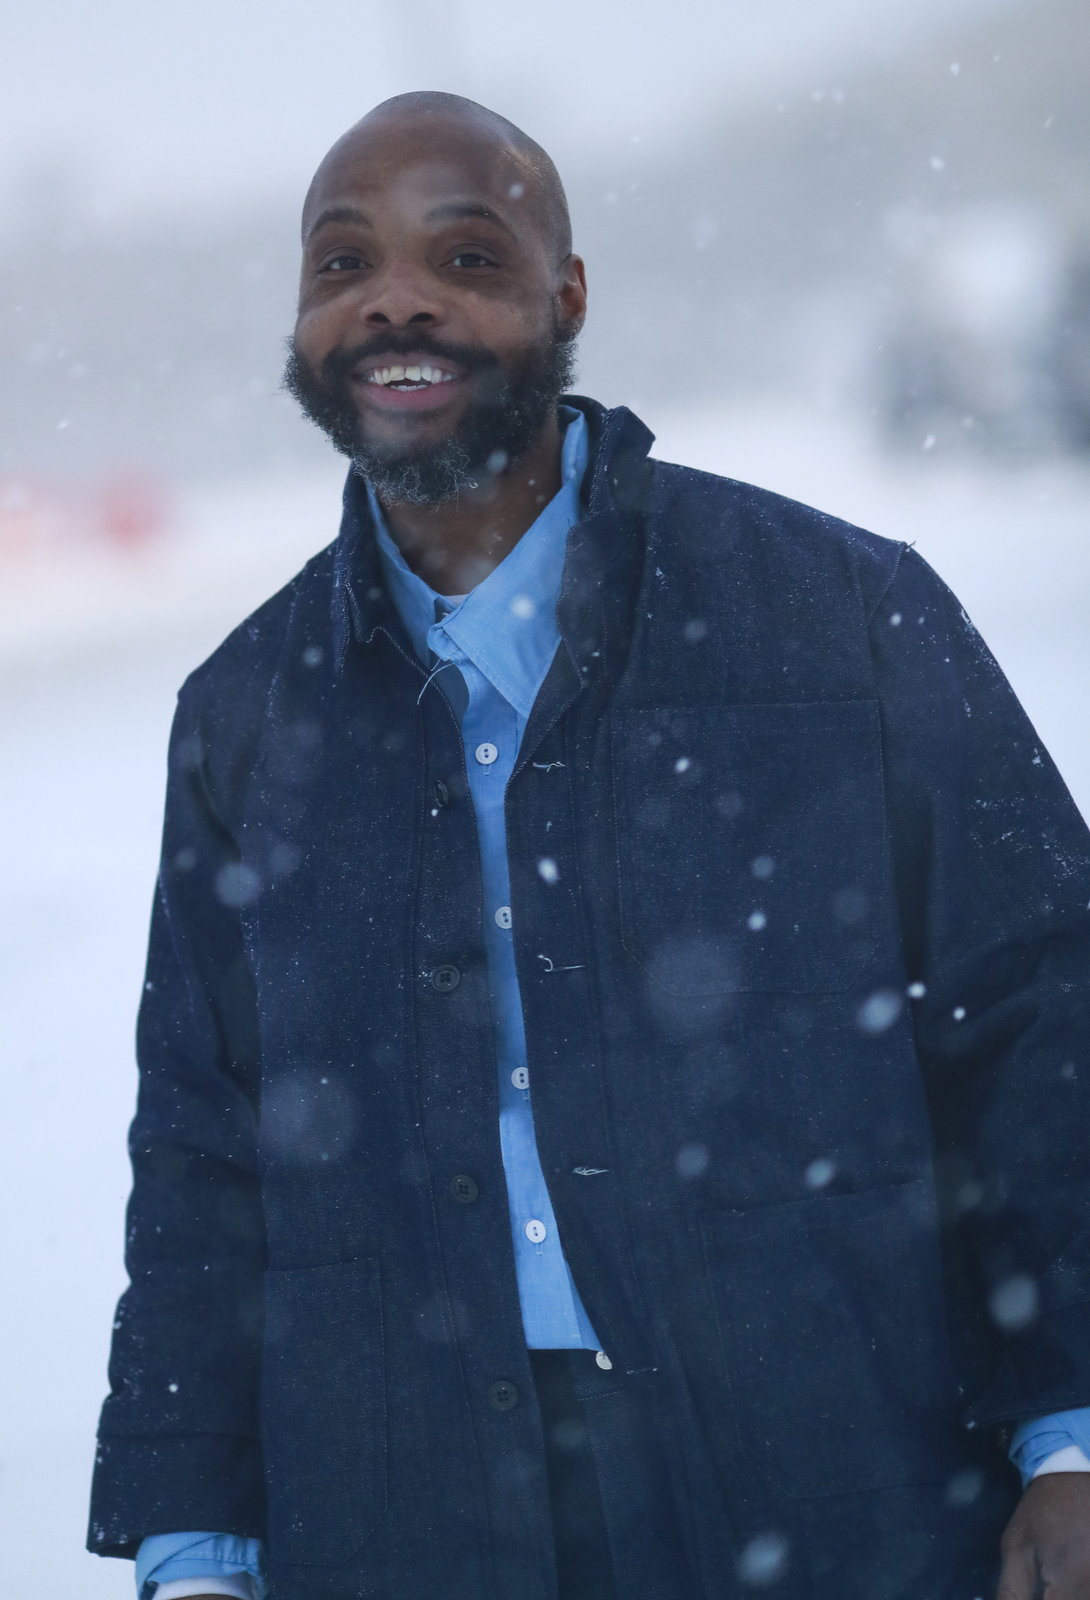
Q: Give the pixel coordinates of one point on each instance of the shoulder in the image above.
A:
(223, 703)
(248, 658)
(722, 524)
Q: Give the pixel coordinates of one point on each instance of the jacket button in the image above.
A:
(441, 793)
(464, 1189)
(446, 979)
(503, 1395)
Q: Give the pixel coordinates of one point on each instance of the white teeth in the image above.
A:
(421, 374)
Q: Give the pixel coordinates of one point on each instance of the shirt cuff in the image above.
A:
(1069, 1459)
(242, 1588)
(1059, 1442)
(172, 1565)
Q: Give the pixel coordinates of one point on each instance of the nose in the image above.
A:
(401, 297)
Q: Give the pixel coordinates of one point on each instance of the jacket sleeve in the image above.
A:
(992, 863)
(178, 1437)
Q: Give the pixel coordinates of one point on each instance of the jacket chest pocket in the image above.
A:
(749, 844)
(323, 1414)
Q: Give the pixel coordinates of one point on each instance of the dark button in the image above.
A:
(464, 1189)
(445, 979)
(441, 793)
(503, 1395)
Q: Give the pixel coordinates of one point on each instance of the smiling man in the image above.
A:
(614, 1073)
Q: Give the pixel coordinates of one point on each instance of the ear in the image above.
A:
(571, 295)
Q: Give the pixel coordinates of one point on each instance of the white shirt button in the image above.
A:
(521, 1078)
(503, 917)
(603, 1361)
(535, 1231)
(486, 753)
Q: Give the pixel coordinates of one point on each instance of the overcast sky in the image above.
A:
(149, 101)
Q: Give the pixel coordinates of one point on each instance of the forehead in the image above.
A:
(421, 163)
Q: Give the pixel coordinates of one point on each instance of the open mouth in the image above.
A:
(412, 376)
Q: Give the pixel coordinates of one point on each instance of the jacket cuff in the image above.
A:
(1042, 1370)
(143, 1486)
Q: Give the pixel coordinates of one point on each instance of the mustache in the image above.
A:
(338, 364)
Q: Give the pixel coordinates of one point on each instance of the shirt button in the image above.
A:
(521, 1077)
(535, 1231)
(503, 917)
(445, 979)
(603, 1361)
(464, 1190)
(502, 1396)
(486, 754)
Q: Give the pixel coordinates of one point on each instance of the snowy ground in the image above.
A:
(91, 653)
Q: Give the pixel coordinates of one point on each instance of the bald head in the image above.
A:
(445, 126)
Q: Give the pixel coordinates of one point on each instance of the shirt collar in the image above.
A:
(506, 626)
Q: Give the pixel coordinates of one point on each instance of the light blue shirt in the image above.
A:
(490, 652)
(1034, 1442)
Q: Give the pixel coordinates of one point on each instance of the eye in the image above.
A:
(471, 258)
(344, 264)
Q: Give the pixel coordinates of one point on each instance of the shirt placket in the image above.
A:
(490, 734)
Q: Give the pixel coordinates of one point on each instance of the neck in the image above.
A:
(454, 546)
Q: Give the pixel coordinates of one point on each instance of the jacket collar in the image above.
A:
(604, 548)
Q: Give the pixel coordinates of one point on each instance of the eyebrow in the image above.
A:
(456, 210)
(450, 211)
(338, 214)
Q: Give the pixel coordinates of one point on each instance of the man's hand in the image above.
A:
(1046, 1548)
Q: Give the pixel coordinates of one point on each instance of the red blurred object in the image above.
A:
(132, 510)
(41, 519)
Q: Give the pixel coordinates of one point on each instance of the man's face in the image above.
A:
(434, 329)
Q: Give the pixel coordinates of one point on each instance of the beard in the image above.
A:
(506, 415)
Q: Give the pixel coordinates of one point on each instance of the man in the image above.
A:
(613, 1059)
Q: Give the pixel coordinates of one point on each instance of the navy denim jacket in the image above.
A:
(814, 1014)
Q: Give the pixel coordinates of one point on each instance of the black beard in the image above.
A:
(496, 432)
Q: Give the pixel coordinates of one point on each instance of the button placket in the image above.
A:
(457, 1070)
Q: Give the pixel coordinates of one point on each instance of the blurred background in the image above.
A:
(837, 247)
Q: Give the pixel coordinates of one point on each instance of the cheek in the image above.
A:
(323, 324)
(507, 327)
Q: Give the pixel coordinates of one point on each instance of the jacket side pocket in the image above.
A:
(323, 1410)
(831, 1316)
